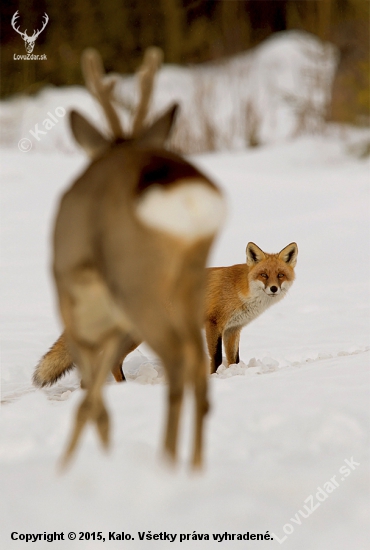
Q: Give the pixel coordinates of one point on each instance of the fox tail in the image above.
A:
(53, 365)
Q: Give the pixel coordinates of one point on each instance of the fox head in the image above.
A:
(272, 274)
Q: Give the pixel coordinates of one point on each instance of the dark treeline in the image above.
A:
(189, 31)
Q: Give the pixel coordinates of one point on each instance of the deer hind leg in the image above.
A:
(186, 364)
(173, 359)
(197, 369)
(95, 364)
(95, 328)
(231, 339)
(161, 334)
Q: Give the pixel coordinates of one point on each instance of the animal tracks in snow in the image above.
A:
(267, 365)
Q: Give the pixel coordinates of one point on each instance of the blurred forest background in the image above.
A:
(188, 31)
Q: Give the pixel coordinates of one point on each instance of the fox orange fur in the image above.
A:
(235, 295)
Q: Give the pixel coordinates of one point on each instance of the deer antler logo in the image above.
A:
(29, 41)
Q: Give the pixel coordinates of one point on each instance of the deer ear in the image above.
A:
(157, 134)
(87, 135)
(289, 254)
(254, 254)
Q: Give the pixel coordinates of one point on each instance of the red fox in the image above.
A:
(235, 295)
(238, 294)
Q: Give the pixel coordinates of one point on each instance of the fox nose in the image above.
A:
(274, 289)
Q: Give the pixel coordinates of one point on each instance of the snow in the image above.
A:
(284, 422)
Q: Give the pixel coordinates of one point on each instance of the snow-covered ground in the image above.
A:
(278, 430)
(287, 439)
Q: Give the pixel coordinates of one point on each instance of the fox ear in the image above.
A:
(254, 254)
(289, 254)
(87, 135)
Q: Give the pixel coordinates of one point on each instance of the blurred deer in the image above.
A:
(29, 41)
(131, 240)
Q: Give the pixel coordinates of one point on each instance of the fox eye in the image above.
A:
(264, 275)
(281, 275)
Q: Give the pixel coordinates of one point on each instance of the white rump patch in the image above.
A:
(189, 209)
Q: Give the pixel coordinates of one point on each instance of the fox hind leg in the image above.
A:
(128, 345)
